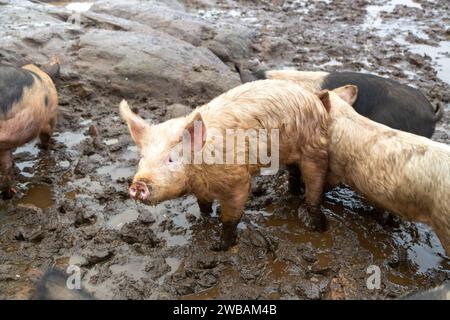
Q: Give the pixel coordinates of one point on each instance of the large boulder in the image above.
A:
(152, 63)
(230, 41)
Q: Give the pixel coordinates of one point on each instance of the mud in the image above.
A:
(72, 205)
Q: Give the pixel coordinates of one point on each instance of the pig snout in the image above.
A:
(139, 191)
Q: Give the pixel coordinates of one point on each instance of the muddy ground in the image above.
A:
(72, 206)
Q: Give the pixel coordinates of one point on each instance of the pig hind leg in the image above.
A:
(46, 133)
(295, 181)
(314, 175)
(6, 173)
(205, 206)
(441, 228)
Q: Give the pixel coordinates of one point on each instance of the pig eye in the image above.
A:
(170, 159)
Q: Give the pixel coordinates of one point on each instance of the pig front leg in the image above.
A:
(314, 174)
(6, 173)
(295, 182)
(231, 212)
(46, 133)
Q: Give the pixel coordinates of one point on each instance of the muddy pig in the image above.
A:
(277, 106)
(402, 172)
(379, 99)
(28, 108)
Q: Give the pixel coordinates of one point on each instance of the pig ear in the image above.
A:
(324, 96)
(348, 93)
(137, 126)
(197, 132)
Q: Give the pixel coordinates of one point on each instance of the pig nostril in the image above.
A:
(133, 190)
(139, 190)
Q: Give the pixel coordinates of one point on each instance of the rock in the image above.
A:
(232, 43)
(219, 50)
(177, 110)
(225, 40)
(173, 21)
(141, 64)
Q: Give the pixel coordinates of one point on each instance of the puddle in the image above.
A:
(401, 27)
(76, 6)
(70, 139)
(349, 215)
(440, 56)
(39, 196)
(30, 148)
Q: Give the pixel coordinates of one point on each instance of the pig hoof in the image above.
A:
(205, 207)
(220, 246)
(43, 146)
(9, 193)
(296, 188)
(223, 245)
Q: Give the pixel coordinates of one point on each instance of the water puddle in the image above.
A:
(70, 139)
(39, 196)
(349, 217)
(440, 56)
(401, 27)
(75, 6)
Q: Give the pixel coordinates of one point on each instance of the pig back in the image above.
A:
(297, 114)
(388, 102)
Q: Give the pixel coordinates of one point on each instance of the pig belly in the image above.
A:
(21, 129)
